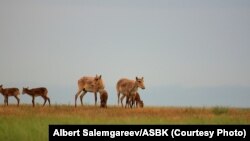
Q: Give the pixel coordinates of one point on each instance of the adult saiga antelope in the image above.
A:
(128, 88)
(6, 92)
(43, 92)
(89, 84)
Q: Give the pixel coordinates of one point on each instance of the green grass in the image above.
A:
(26, 123)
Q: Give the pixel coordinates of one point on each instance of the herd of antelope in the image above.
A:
(127, 88)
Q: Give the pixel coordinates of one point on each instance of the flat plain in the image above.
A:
(28, 123)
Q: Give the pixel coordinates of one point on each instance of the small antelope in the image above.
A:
(103, 98)
(43, 92)
(134, 100)
(138, 100)
(128, 88)
(9, 92)
(89, 84)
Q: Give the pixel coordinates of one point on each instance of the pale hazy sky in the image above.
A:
(186, 43)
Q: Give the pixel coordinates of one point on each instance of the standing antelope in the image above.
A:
(43, 92)
(128, 88)
(89, 84)
(9, 92)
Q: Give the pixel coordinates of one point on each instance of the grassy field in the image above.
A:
(28, 123)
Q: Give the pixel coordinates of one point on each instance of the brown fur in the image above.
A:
(9, 92)
(89, 84)
(103, 98)
(134, 100)
(138, 101)
(130, 100)
(128, 88)
(43, 92)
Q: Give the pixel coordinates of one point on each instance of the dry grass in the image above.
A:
(118, 115)
(28, 123)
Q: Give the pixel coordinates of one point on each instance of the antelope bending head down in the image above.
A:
(103, 98)
(138, 100)
(89, 84)
(128, 88)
